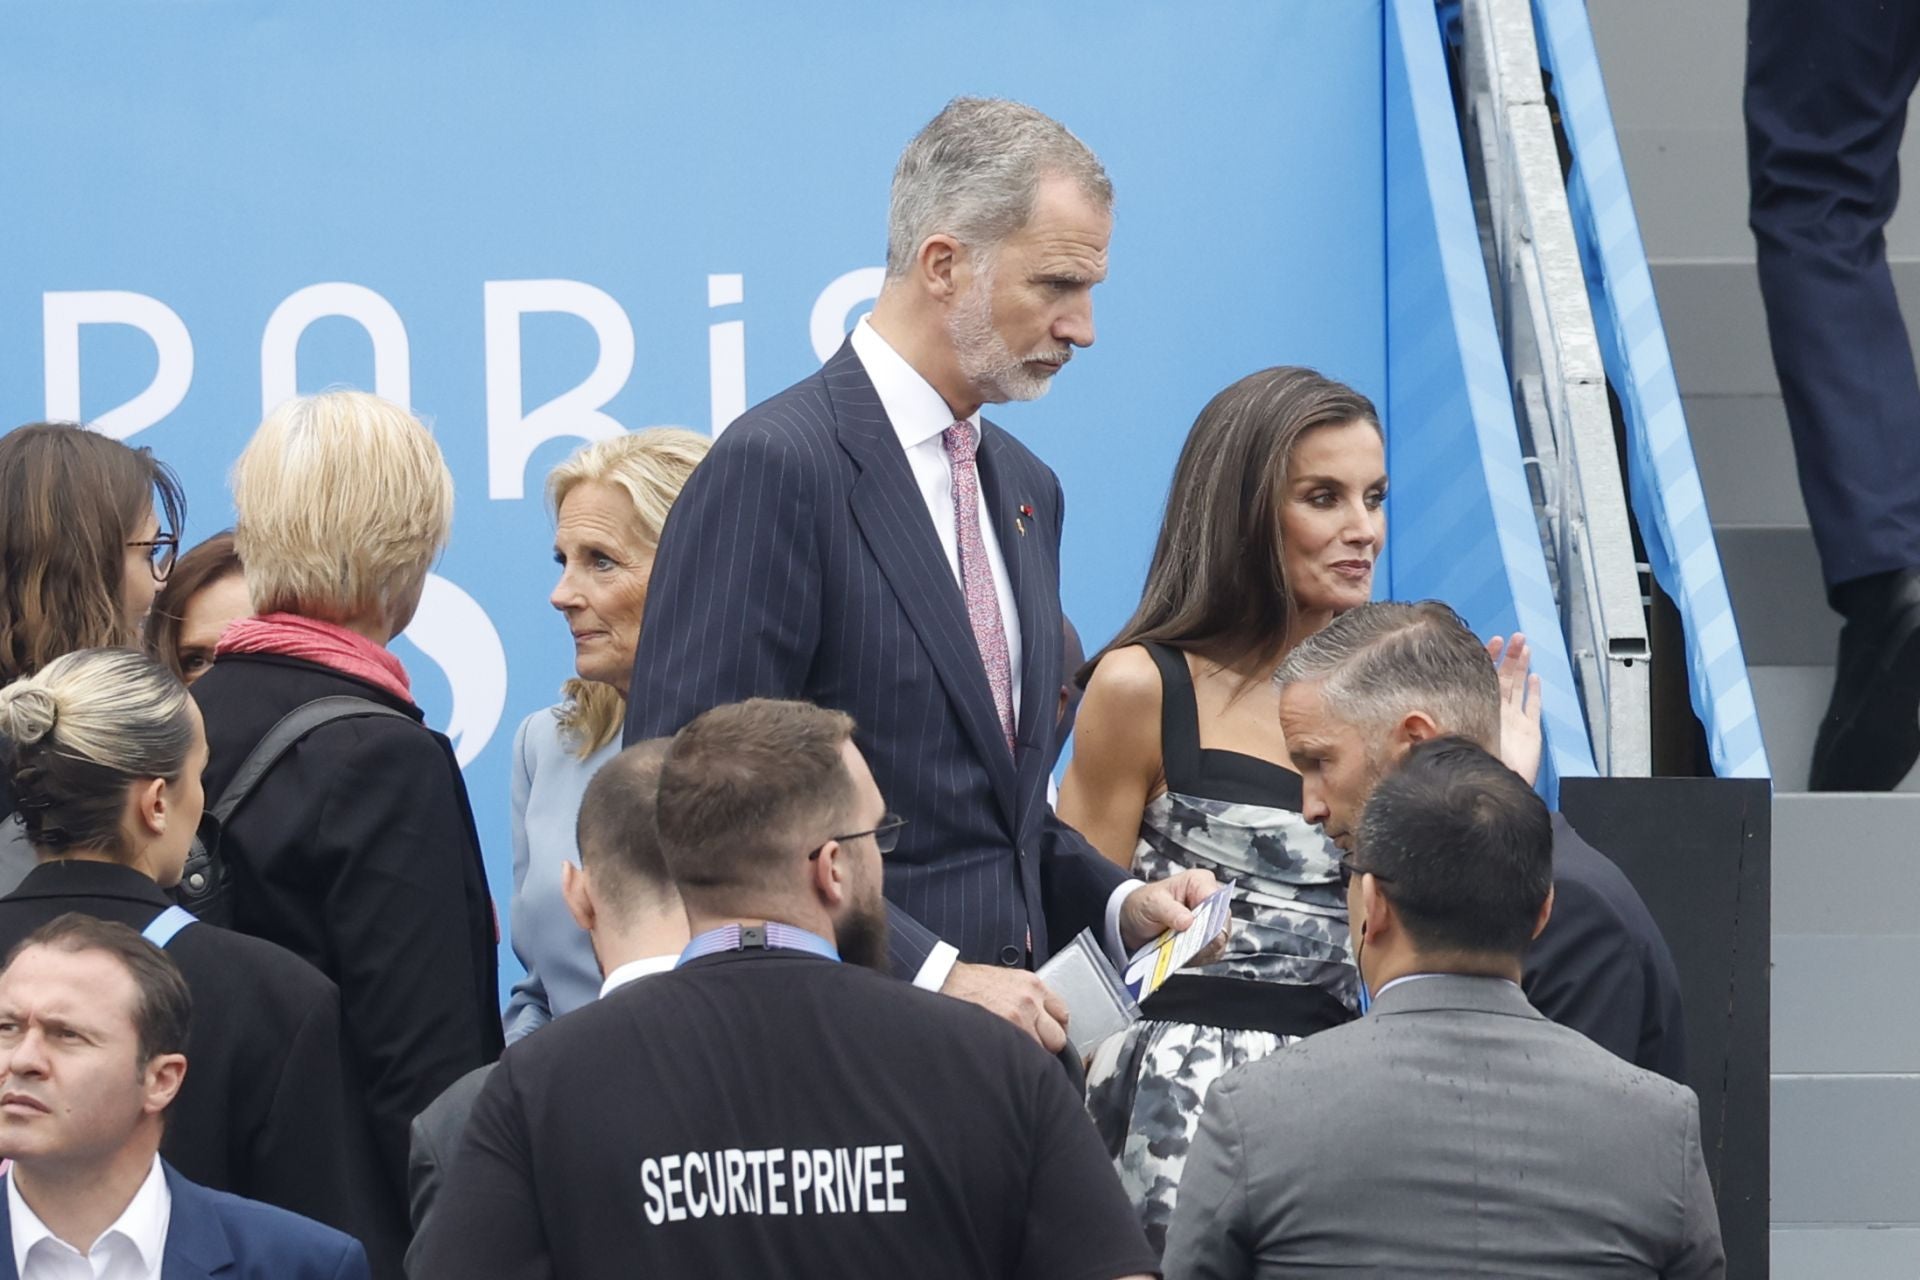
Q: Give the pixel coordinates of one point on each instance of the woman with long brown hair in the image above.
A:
(89, 534)
(1275, 518)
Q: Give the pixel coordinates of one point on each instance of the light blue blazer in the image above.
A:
(548, 781)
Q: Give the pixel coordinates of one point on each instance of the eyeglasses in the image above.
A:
(161, 550)
(886, 836)
(1348, 870)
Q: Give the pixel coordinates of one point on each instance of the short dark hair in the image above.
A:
(207, 563)
(618, 830)
(746, 786)
(1463, 846)
(164, 1014)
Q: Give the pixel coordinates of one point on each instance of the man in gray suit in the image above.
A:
(1453, 1129)
(621, 895)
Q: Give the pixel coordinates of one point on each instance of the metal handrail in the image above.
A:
(1557, 378)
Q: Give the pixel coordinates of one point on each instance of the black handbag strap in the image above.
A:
(292, 727)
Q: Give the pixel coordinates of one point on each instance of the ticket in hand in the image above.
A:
(1152, 964)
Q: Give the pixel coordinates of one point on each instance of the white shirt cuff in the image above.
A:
(939, 963)
(1116, 945)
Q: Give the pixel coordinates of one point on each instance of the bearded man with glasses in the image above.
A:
(776, 1105)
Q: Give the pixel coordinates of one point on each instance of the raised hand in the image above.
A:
(1520, 739)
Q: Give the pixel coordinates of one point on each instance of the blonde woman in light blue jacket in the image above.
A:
(609, 501)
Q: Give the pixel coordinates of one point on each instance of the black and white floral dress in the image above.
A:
(1286, 972)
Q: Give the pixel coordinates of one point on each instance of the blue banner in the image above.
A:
(540, 224)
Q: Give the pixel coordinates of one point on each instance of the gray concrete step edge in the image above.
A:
(1836, 1139)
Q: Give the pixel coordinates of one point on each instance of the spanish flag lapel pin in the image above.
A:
(1020, 521)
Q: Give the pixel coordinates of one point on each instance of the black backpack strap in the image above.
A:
(292, 727)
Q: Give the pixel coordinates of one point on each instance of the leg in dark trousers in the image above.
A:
(1826, 103)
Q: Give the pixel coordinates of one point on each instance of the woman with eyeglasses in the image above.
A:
(202, 597)
(88, 534)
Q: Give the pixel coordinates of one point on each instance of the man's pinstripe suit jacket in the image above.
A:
(800, 562)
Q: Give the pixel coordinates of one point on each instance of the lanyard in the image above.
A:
(733, 937)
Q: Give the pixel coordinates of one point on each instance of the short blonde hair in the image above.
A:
(342, 502)
(650, 467)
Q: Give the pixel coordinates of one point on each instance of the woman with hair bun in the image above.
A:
(104, 759)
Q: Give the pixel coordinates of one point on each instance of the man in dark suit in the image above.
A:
(93, 1021)
(1453, 1130)
(1826, 104)
(773, 1107)
(267, 1113)
(864, 540)
(1382, 678)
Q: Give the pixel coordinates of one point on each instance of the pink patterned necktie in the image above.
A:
(976, 574)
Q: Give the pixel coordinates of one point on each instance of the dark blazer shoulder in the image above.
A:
(258, 1240)
(801, 414)
(294, 983)
(1578, 863)
(1013, 448)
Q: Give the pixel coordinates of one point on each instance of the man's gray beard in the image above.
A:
(986, 361)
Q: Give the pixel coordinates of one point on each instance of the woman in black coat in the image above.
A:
(104, 768)
(357, 850)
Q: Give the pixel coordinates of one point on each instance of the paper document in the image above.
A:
(1154, 963)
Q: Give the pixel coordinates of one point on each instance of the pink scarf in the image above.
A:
(335, 647)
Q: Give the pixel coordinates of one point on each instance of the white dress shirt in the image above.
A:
(641, 968)
(920, 417)
(130, 1249)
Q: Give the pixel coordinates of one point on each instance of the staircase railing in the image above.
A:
(1557, 378)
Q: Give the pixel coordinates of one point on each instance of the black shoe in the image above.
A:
(1870, 736)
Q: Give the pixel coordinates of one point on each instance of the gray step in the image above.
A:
(1843, 1146)
(1745, 457)
(1779, 597)
(1845, 1042)
(1791, 700)
(1674, 76)
(1827, 846)
(1833, 1013)
(1717, 329)
(1845, 876)
(1821, 1253)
